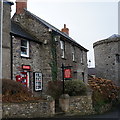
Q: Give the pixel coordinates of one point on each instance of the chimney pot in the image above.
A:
(65, 30)
(20, 5)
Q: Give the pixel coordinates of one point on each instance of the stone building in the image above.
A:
(39, 50)
(107, 58)
(119, 17)
(6, 45)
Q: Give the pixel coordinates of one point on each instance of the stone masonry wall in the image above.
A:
(81, 104)
(6, 45)
(78, 67)
(29, 109)
(106, 62)
(36, 61)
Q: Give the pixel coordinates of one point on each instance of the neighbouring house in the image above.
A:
(107, 58)
(91, 72)
(5, 8)
(39, 49)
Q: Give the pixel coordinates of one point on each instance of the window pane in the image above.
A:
(62, 44)
(24, 43)
(23, 51)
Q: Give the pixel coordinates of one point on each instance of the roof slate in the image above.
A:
(16, 29)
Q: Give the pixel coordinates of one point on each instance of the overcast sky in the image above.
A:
(88, 22)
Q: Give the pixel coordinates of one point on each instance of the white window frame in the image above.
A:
(25, 55)
(81, 57)
(73, 53)
(62, 45)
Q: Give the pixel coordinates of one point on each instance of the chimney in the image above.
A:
(65, 30)
(20, 5)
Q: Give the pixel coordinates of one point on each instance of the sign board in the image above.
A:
(26, 67)
(67, 73)
(37, 81)
(23, 79)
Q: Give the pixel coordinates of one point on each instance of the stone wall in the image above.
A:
(29, 109)
(6, 44)
(76, 105)
(36, 60)
(106, 62)
(81, 105)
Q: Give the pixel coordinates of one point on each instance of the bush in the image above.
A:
(105, 88)
(55, 89)
(75, 88)
(13, 91)
(72, 87)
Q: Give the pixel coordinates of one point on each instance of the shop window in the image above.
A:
(25, 48)
(62, 44)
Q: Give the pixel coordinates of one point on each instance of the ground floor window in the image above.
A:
(37, 81)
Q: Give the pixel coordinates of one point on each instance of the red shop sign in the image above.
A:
(26, 67)
(67, 73)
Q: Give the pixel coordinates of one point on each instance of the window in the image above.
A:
(25, 48)
(81, 59)
(83, 76)
(117, 58)
(73, 53)
(62, 44)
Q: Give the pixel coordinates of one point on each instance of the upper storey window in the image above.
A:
(62, 45)
(25, 48)
(73, 53)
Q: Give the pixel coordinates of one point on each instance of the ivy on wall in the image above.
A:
(53, 63)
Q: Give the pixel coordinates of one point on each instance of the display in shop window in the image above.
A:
(23, 79)
(37, 81)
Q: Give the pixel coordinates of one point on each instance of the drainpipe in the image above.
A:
(1, 36)
(11, 56)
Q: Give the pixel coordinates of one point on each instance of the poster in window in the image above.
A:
(37, 81)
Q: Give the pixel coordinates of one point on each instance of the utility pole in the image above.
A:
(1, 36)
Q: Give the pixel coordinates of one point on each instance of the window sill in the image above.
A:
(75, 61)
(27, 57)
(63, 58)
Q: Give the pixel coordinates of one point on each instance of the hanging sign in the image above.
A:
(37, 81)
(67, 73)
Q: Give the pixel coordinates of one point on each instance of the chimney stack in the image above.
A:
(65, 30)
(20, 5)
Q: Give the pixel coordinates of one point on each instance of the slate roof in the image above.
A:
(16, 29)
(8, 1)
(54, 29)
(115, 36)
